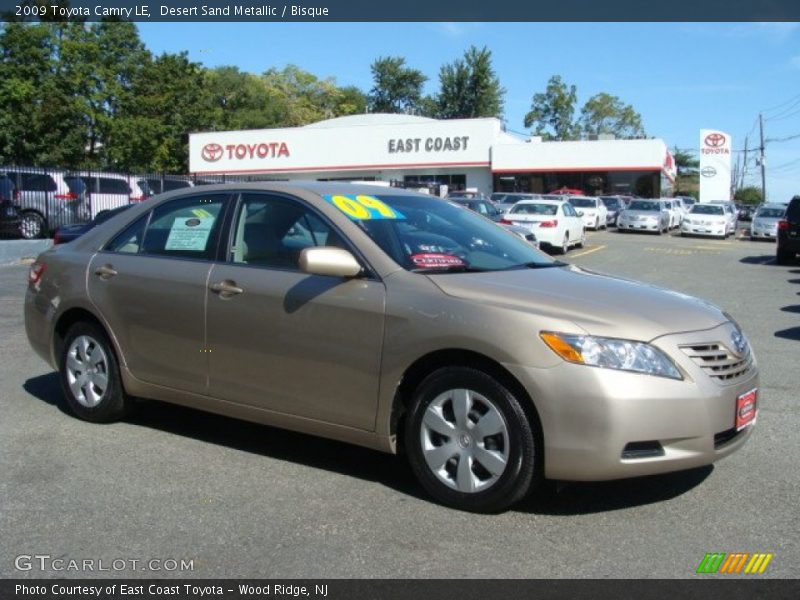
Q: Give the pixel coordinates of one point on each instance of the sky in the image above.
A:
(681, 77)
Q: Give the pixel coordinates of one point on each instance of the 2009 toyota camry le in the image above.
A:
(392, 320)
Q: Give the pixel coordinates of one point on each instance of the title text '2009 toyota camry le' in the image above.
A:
(370, 314)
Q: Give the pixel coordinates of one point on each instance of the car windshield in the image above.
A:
(610, 202)
(689, 201)
(770, 213)
(534, 208)
(583, 202)
(707, 209)
(426, 234)
(645, 206)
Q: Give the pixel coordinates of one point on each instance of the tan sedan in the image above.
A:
(363, 314)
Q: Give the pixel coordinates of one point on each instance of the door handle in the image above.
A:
(105, 272)
(226, 288)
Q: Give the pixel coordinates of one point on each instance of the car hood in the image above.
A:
(599, 304)
(642, 213)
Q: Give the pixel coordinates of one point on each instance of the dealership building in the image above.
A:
(476, 154)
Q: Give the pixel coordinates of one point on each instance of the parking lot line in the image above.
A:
(585, 252)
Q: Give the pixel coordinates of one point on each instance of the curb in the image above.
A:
(13, 251)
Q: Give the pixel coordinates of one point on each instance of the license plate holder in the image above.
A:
(746, 409)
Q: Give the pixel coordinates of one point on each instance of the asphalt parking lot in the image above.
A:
(243, 500)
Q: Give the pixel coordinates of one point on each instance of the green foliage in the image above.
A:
(553, 111)
(606, 114)
(685, 160)
(397, 88)
(469, 87)
(553, 114)
(748, 195)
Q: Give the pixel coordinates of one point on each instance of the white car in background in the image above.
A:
(706, 218)
(555, 222)
(675, 214)
(592, 210)
(731, 212)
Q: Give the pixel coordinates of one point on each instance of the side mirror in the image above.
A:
(579, 213)
(326, 260)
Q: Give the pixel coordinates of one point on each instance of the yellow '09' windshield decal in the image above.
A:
(360, 207)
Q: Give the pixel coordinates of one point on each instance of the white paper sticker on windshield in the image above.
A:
(189, 233)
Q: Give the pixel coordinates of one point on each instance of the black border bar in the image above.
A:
(408, 10)
(703, 587)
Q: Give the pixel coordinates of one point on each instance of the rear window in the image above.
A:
(76, 185)
(534, 209)
(770, 213)
(583, 202)
(793, 211)
(109, 185)
(36, 182)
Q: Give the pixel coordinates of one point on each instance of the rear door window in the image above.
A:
(109, 185)
(793, 212)
(185, 227)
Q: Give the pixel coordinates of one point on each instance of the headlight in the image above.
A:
(609, 353)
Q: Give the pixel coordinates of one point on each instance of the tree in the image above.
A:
(397, 88)
(685, 161)
(748, 195)
(606, 114)
(169, 100)
(352, 101)
(552, 112)
(469, 87)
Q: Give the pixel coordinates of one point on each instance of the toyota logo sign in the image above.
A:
(715, 140)
(211, 152)
(708, 171)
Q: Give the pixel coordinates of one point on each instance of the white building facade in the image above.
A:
(476, 154)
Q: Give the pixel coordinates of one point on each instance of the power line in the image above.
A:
(785, 116)
(784, 139)
(766, 110)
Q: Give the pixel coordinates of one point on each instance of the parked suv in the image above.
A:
(9, 214)
(789, 233)
(46, 200)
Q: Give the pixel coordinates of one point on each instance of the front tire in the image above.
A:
(90, 375)
(469, 441)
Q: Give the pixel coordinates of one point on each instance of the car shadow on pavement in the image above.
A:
(793, 333)
(281, 444)
(792, 309)
(47, 388)
(370, 465)
(764, 259)
(580, 498)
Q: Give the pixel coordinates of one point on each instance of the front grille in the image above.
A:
(723, 437)
(718, 362)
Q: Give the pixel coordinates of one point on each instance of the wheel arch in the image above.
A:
(68, 319)
(454, 357)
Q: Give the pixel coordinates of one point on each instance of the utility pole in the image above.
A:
(761, 160)
(743, 174)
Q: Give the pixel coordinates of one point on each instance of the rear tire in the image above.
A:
(32, 225)
(469, 441)
(90, 375)
(565, 244)
(783, 257)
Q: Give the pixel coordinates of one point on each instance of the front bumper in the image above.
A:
(639, 225)
(713, 229)
(590, 415)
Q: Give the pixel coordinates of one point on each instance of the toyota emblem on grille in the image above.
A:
(739, 343)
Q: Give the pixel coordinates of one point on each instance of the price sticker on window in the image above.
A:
(360, 207)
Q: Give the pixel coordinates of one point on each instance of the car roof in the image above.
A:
(541, 201)
(772, 205)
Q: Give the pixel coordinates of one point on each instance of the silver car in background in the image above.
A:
(644, 215)
(506, 201)
(765, 221)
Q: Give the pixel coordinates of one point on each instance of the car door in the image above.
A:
(283, 340)
(149, 284)
(573, 223)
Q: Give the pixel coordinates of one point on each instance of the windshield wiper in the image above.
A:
(537, 265)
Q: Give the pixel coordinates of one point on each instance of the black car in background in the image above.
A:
(615, 205)
(480, 205)
(9, 214)
(788, 244)
(71, 232)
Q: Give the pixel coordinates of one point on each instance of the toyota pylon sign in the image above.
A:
(715, 165)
